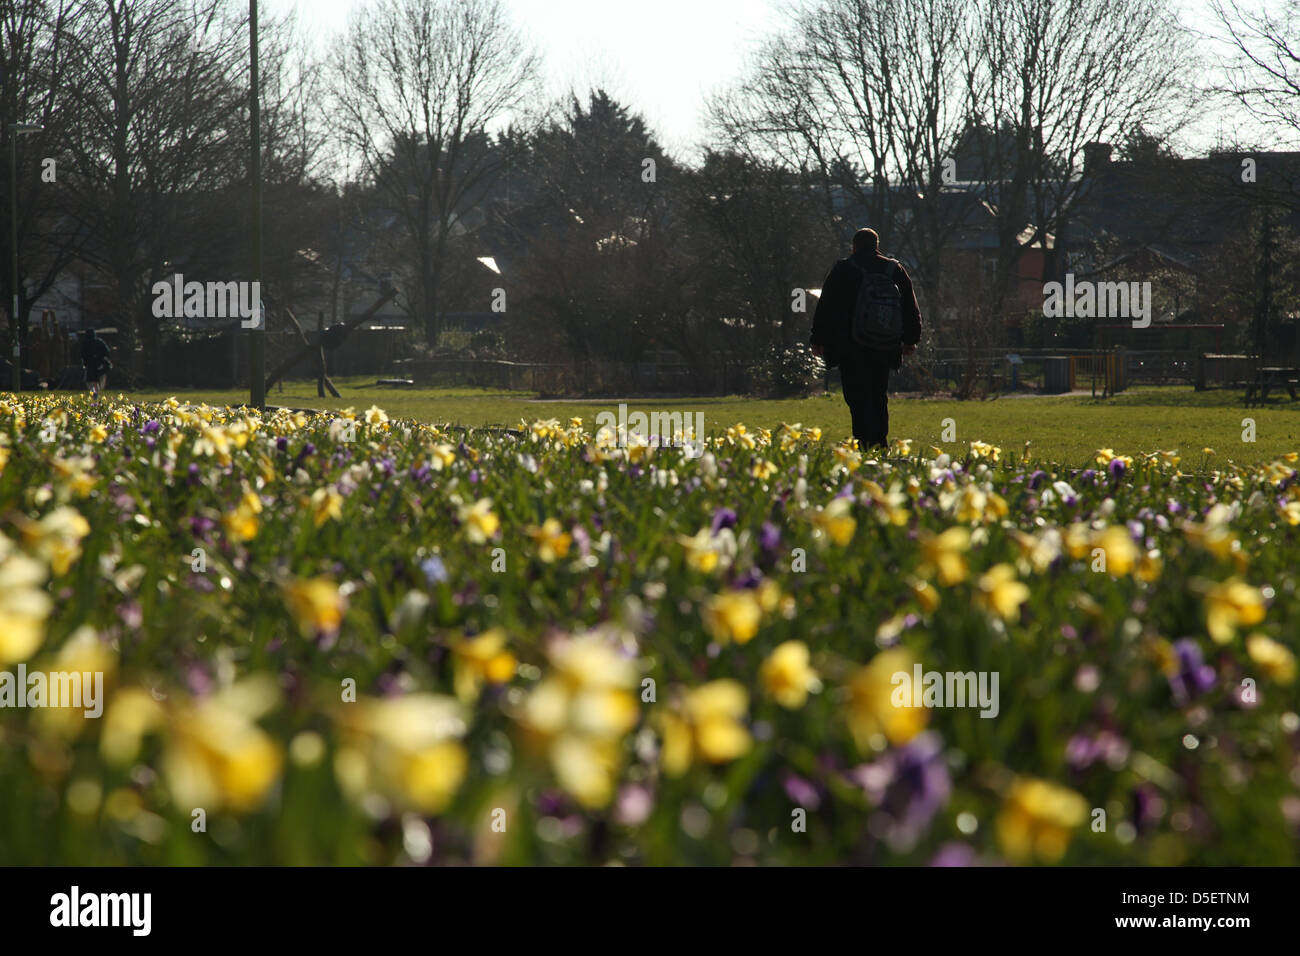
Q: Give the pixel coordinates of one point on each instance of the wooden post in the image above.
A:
(320, 354)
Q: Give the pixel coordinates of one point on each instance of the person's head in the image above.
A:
(87, 334)
(865, 242)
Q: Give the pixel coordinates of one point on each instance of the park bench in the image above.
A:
(1273, 377)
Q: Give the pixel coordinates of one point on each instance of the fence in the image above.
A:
(1224, 371)
(581, 377)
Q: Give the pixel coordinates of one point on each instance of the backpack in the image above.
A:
(877, 314)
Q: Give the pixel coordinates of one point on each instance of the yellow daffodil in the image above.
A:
(479, 521)
(733, 616)
(551, 540)
(404, 749)
(1117, 545)
(835, 522)
(1037, 819)
(871, 710)
(315, 603)
(326, 504)
(56, 538)
(1274, 659)
(579, 714)
(708, 552)
(24, 605)
(787, 676)
(479, 660)
(706, 726)
(1230, 605)
(944, 555)
(242, 523)
(1001, 593)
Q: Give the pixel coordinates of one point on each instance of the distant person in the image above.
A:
(94, 356)
(866, 320)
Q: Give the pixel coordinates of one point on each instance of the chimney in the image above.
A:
(1096, 157)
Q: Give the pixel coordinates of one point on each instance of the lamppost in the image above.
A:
(257, 344)
(16, 130)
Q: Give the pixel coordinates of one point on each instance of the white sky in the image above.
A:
(661, 58)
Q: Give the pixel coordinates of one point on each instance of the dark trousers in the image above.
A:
(865, 379)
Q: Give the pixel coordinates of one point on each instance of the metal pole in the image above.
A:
(257, 344)
(13, 245)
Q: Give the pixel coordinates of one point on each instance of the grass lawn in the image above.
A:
(1066, 429)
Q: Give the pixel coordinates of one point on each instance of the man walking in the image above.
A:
(866, 320)
(94, 356)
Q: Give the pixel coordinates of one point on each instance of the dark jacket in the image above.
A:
(94, 356)
(834, 313)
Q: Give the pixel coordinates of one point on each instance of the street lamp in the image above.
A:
(256, 344)
(16, 130)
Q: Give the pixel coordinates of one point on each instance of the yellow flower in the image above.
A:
(579, 714)
(707, 552)
(847, 458)
(551, 539)
(835, 521)
(1001, 593)
(1276, 660)
(944, 555)
(1214, 534)
(326, 503)
(406, 749)
(787, 676)
(1291, 512)
(889, 505)
(24, 605)
(315, 604)
(216, 755)
(1036, 820)
(77, 473)
(443, 456)
(479, 521)
(762, 469)
(375, 415)
(871, 705)
(481, 659)
(241, 524)
(98, 433)
(1077, 539)
(57, 537)
(926, 595)
(707, 726)
(733, 616)
(94, 663)
(1231, 605)
(131, 715)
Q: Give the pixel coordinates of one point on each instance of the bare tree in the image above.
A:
(882, 99)
(1054, 76)
(34, 53)
(1262, 60)
(866, 98)
(417, 84)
